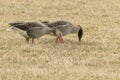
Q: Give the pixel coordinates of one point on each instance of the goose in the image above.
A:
(36, 32)
(31, 30)
(66, 27)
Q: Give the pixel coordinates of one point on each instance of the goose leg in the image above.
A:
(57, 39)
(32, 40)
(27, 39)
(61, 40)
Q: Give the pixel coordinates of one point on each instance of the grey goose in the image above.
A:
(32, 30)
(65, 27)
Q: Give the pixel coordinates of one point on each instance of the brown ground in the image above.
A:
(96, 57)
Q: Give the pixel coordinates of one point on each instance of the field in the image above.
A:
(96, 57)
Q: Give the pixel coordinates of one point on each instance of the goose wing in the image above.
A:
(20, 25)
(36, 32)
(56, 23)
(16, 23)
(35, 24)
(65, 29)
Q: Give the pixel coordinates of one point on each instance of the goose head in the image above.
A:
(80, 32)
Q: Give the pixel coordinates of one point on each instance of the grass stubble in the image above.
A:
(96, 57)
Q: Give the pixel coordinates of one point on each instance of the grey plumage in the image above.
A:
(66, 27)
(36, 32)
(31, 29)
(37, 29)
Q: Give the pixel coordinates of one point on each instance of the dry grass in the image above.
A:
(96, 57)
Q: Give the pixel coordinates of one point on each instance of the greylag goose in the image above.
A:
(66, 28)
(32, 30)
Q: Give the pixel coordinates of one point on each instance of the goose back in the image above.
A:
(64, 26)
(25, 25)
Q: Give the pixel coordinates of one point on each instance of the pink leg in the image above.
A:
(61, 40)
(32, 40)
(27, 40)
(57, 39)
